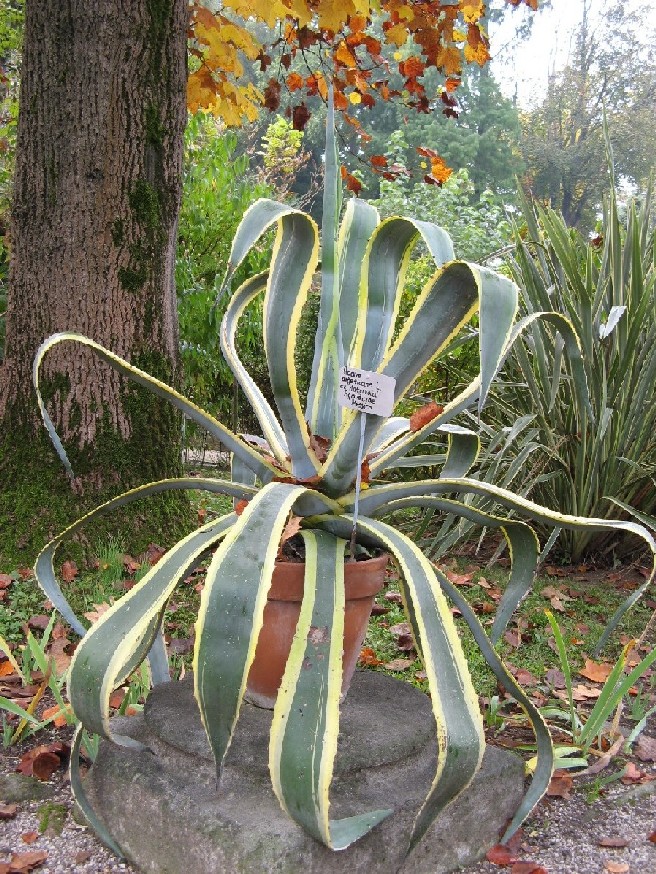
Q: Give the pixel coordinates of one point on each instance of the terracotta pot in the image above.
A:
(362, 579)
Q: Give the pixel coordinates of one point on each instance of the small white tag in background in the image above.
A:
(366, 391)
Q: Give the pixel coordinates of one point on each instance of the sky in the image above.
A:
(526, 67)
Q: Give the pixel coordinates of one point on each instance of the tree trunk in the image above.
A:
(96, 196)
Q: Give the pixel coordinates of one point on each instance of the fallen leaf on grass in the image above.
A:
(555, 678)
(369, 657)
(617, 843)
(398, 664)
(154, 553)
(39, 622)
(5, 581)
(560, 784)
(57, 652)
(394, 597)
(69, 571)
(6, 668)
(8, 811)
(598, 672)
(94, 615)
(403, 634)
(513, 638)
(525, 678)
(616, 867)
(459, 579)
(579, 693)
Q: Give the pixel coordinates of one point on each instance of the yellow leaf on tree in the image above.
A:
(472, 10)
(449, 60)
(397, 34)
(333, 13)
(354, 97)
(344, 55)
(477, 53)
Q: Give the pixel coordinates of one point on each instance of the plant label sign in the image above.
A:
(366, 391)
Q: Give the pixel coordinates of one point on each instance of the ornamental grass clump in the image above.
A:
(308, 464)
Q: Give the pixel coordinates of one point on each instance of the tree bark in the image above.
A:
(96, 197)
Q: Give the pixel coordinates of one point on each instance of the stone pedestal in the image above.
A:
(163, 809)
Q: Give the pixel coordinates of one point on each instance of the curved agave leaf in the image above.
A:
(303, 740)
(462, 451)
(545, 762)
(359, 223)
(231, 611)
(410, 440)
(463, 447)
(121, 638)
(522, 541)
(80, 796)
(44, 569)
(271, 429)
(473, 391)
(378, 496)
(389, 431)
(257, 220)
(293, 262)
(227, 437)
(460, 738)
(447, 303)
(383, 275)
(322, 397)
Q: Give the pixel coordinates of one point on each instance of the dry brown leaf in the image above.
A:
(398, 664)
(424, 415)
(29, 837)
(21, 863)
(645, 748)
(598, 672)
(5, 581)
(94, 615)
(616, 867)
(60, 719)
(617, 843)
(527, 868)
(69, 571)
(500, 855)
(632, 774)
(292, 527)
(459, 579)
(513, 638)
(560, 784)
(57, 652)
(369, 657)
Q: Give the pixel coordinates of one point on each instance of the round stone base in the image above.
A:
(162, 806)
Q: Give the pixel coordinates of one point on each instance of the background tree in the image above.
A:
(612, 68)
(95, 206)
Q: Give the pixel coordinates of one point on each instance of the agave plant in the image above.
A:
(362, 267)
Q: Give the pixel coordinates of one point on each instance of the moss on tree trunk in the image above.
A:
(96, 198)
